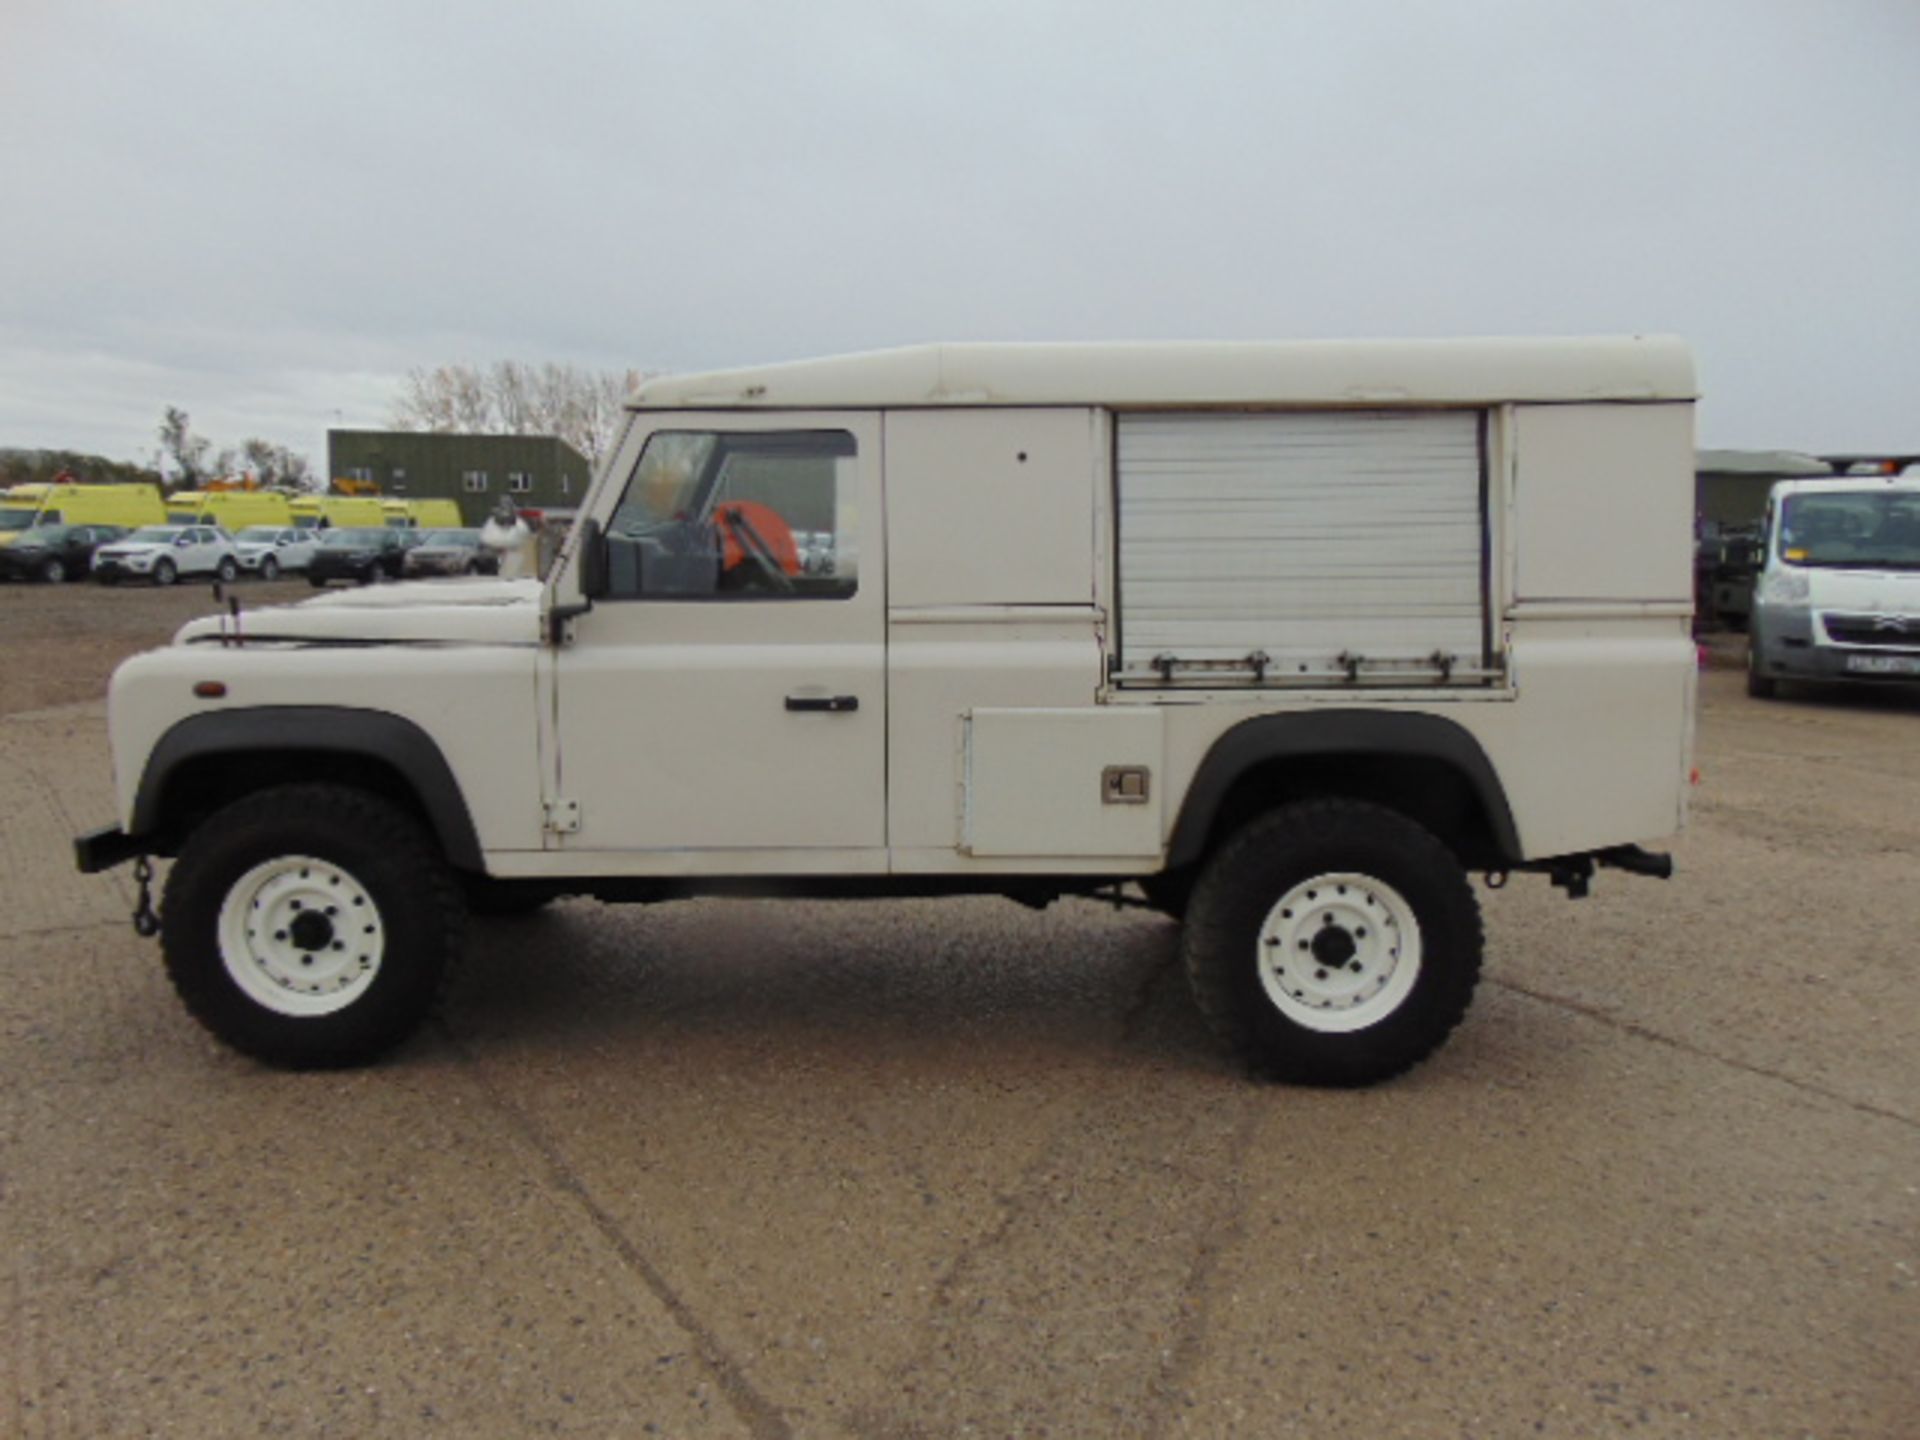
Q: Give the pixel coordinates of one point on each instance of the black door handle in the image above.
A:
(838, 704)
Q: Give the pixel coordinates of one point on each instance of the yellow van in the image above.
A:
(128, 505)
(355, 512)
(424, 514)
(232, 510)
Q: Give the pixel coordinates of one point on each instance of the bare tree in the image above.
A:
(296, 473)
(276, 465)
(186, 450)
(582, 407)
(425, 401)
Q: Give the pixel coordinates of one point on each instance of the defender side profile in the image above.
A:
(1284, 640)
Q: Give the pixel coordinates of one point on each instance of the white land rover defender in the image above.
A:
(1290, 637)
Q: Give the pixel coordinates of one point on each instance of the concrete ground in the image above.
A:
(955, 1168)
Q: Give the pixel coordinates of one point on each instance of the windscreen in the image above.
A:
(1852, 530)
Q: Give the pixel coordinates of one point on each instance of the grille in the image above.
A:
(1885, 632)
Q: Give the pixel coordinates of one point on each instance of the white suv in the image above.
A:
(270, 550)
(163, 553)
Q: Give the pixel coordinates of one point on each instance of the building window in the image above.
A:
(361, 472)
(398, 484)
(474, 482)
(519, 481)
(566, 484)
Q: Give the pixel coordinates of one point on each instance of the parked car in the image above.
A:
(55, 552)
(451, 552)
(163, 553)
(360, 554)
(269, 550)
(1839, 592)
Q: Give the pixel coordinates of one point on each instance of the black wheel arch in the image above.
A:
(209, 760)
(1424, 766)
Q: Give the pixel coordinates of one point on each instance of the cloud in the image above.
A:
(268, 213)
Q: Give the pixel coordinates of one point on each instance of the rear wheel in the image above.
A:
(310, 925)
(1333, 942)
(228, 569)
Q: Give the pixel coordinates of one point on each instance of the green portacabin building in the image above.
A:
(535, 472)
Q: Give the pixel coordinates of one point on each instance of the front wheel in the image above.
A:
(1333, 942)
(269, 569)
(310, 926)
(53, 570)
(164, 572)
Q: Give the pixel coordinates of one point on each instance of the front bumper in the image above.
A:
(334, 570)
(1790, 645)
(106, 847)
(112, 569)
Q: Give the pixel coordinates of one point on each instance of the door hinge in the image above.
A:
(563, 816)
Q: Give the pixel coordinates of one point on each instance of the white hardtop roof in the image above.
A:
(1907, 484)
(1138, 375)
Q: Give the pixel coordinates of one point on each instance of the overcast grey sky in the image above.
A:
(266, 212)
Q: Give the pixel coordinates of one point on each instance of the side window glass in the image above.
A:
(764, 515)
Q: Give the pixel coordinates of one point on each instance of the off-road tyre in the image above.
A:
(371, 861)
(165, 572)
(1353, 865)
(505, 900)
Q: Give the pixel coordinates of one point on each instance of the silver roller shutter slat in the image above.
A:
(1310, 538)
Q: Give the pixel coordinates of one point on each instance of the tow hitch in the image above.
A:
(1574, 873)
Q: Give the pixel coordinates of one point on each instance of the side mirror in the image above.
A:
(593, 560)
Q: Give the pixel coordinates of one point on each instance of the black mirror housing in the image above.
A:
(592, 560)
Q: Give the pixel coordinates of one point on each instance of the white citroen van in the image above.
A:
(1838, 596)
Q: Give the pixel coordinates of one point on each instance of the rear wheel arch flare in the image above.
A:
(1325, 752)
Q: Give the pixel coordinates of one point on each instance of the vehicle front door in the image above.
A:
(206, 549)
(728, 693)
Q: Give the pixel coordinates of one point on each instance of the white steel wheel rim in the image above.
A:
(1339, 952)
(301, 936)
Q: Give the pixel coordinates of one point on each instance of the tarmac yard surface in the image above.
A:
(956, 1168)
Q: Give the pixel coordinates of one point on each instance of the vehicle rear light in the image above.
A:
(210, 689)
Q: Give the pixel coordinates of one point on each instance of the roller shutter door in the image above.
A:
(1326, 545)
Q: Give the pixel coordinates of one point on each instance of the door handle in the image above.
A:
(836, 704)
